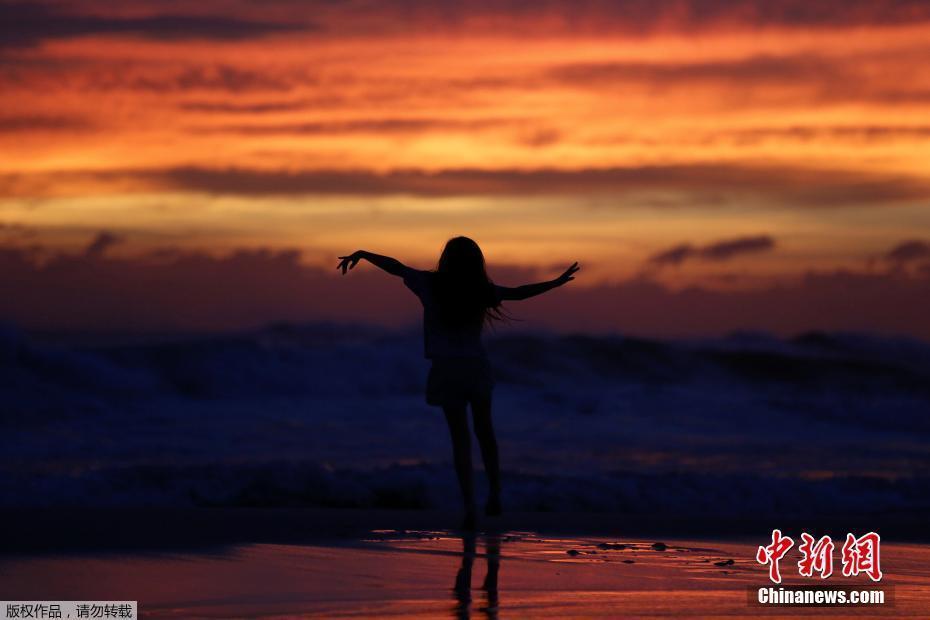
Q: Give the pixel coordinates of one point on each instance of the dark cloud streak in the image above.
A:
(785, 184)
(394, 126)
(27, 24)
(102, 242)
(717, 251)
(764, 78)
(37, 123)
(781, 185)
(630, 18)
(803, 68)
(226, 107)
(912, 250)
(216, 77)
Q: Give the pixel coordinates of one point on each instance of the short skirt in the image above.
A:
(458, 380)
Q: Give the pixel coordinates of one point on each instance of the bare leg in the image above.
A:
(484, 431)
(457, 418)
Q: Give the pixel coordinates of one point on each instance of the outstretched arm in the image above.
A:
(388, 264)
(531, 290)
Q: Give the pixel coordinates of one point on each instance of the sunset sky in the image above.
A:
(713, 164)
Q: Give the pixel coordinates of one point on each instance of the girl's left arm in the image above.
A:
(531, 290)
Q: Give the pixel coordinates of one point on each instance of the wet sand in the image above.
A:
(439, 573)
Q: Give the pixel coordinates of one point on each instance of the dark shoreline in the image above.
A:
(39, 531)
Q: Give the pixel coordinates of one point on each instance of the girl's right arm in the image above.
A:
(388, 264)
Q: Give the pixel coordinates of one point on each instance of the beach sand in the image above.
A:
(346, 570)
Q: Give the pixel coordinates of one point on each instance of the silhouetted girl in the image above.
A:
(458, 299)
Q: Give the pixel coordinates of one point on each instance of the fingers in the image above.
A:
(347, 262)
(568, 275)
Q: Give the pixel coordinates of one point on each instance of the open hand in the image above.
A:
(568, 275)
(349, 262)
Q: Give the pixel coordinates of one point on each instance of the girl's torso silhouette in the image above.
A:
(439, 339)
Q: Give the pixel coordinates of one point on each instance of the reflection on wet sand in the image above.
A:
(407, 573)
(462, 586)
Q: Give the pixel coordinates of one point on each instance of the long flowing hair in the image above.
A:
(464, 293)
